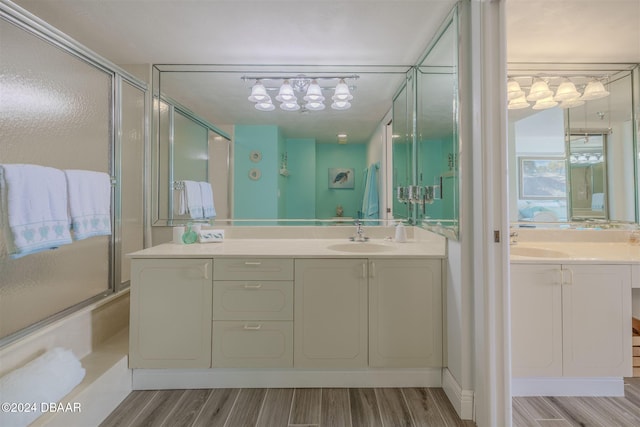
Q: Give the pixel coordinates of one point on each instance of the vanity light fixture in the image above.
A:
(342, 138)
(308, 88)
(539, 90)
(514, 91)
(594, 90)
(567, 90)
(544, 103)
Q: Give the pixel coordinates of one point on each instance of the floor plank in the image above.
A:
(188, 408)
(305, 409)
(129, 408)
(520, 416)
(216, 409)
(448, 413)
(247, 408)
(393, 409)
(334, 408)
(424, 411)
(574, 412)
(158, 410)
(364, 408)
(276, 408)
(538, 408)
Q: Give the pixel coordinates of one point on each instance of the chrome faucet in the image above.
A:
(359, 237)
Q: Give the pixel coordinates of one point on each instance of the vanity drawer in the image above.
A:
(252, 344)
(253, 269)
(252, 300)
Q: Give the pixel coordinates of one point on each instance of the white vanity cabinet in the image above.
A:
(330, 313)
(405, 313)
(252, 313)
(170, 325)
(571, 320)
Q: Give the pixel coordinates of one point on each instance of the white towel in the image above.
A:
(42, 381)
(207, 200)
(89, 203)
(194, 199)
(34, 208)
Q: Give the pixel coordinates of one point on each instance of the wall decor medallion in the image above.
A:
(255, 174)
(255, 156)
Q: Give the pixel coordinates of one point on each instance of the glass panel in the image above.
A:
(437, 133)
(47, 118)
(132, 175)
(401, 153)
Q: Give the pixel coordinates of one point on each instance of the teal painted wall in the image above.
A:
(259, 198)
(282, 193)
(435, 163)
(301, 183)
(339, 156)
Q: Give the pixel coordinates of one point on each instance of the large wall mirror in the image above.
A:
(573, 160)
(303, 164)
(290, 161)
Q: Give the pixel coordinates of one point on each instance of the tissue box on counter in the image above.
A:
(210, 236)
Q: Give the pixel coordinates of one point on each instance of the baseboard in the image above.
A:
(151, 379)
(462, 400)
(611, 387)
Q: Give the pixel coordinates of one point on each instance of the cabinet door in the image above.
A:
(536, 320)
(405, 313)
(330, 313)
(596, 303)
(170, 313)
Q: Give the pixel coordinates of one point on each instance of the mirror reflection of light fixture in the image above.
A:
(594, 90)
(265, 106)
(342, 138)
(259, 93)
(544, 103)
(566, 91)
(570, 103)
(539, 90)
(286, 93)
(518, 103)
(342, 92)
(314, 105)
(301, 85)
(314, 93)
(514, 91)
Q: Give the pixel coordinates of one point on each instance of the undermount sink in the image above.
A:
(537, 252)
(360, 247)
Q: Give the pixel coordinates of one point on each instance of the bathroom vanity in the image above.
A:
(571, 309)
(287, 312)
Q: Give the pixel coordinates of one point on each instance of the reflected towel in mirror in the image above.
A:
(207, 200)
(193, 196)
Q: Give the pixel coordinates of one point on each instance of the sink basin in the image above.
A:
(537, 252)
(360, 247)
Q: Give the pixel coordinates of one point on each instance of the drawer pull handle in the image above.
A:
(253, 286)
(248, 327)
(252, 263)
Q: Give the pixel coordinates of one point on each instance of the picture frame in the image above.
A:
(341, 178)
(542, 178)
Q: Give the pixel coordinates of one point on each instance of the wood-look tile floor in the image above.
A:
(580, 411)
(337, 407)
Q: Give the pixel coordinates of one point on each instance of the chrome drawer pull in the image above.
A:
(252, 263)
(254, 286)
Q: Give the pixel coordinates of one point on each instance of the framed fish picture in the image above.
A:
(341, 178)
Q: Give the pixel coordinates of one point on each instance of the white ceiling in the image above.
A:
(331, 32)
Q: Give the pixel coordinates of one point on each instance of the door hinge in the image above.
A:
(496, 236)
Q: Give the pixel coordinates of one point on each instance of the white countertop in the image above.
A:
(298, 248)
(574, 252)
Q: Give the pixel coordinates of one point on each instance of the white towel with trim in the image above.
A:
(207, 200)
(597, 202)
(194, 199)
(89, 203)
(33, 208)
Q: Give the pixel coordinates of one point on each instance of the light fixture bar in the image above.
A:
(302, 77)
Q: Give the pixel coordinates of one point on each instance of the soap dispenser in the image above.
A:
(401, 232)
